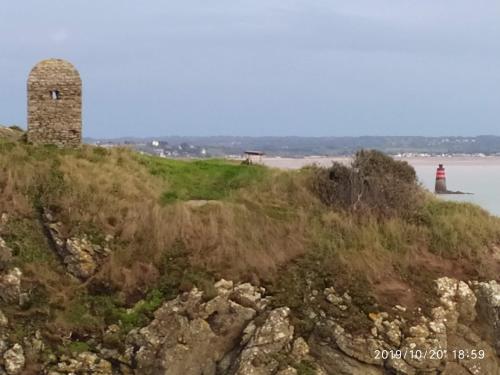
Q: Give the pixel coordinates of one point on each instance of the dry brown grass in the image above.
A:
(249, 235)
(101, 192)
(11, 133)
(254, 232)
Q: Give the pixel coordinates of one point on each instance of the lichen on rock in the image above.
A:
(14, 360)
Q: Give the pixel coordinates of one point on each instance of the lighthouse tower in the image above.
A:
(441, 180)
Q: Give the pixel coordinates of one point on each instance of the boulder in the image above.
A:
(85, 363)
(14, 360)
(458, 301)
(336, 362)
(224, 287)
(272, 338)
(10, 286)
(300, 350)
(288, 371)
(5, 255)
(249, 296)
(488, 296)
(4, 322)
(81, 256)
(360, 348)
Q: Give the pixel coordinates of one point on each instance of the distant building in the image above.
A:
(55, 104)
(253, 157)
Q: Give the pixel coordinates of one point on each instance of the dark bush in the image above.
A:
(16, 128)
(374, 182)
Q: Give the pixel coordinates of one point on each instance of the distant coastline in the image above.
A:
(297, 163)
(292, 147)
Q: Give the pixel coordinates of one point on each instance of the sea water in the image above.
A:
(482, 180)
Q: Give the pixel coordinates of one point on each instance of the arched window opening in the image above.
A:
(55, 95)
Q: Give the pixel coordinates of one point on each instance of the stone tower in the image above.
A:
(55, 104)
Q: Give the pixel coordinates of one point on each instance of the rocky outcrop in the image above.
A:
(190, 336)
(334, 361)
(85, 363)
(81, 256)
(488, 296)
(5, 255)
(440, 343)
(239, 332)
(184, 338)
(14, 360)
(267, 341)
(3, 320)
(457, 300)
(233, 333)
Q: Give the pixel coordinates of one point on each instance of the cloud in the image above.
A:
(296, 67)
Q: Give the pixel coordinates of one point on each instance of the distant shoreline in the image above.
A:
(297, 163)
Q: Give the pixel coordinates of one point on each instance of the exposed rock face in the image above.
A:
(223, 337)
(466, 341)
(488, 295)
(5, 255)
(80, 256)
(457, 299)
(85, 364)
(237, 333)
(273, 337)
(14, 360)
(10, 286)
(3, 320)
(335, 361)
(439, 335)
(220, 336)
(249, 296)
(189, 336)
(288, 371)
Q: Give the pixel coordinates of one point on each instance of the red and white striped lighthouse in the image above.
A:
(440, 180)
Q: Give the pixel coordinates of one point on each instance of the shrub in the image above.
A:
(16, 128)
(374, 182)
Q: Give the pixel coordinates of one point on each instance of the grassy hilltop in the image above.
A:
(172, 224)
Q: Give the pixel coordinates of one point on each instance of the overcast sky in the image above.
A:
(263, 67)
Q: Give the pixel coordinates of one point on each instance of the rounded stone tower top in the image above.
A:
(54, 71)
(55, 104)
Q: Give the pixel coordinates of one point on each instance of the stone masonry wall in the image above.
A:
(55, 104)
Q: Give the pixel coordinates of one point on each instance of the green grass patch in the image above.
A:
(458, 229)
(81, 317)
(306, 368)
(110, 310)
(202, 179)
(178, 275)
(78, 347)
(26, 239)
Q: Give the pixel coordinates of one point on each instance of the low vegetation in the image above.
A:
(373, 184)
(176, 224)
(201, 179)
